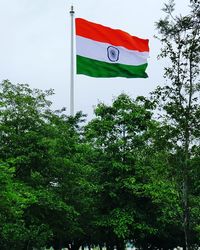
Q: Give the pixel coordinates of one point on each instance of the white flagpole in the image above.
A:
(72, 63)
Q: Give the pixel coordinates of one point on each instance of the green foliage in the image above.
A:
(114, 180)
(44, 152)
(180, 102)
(118, 133)
(122, 177)
(15, 197)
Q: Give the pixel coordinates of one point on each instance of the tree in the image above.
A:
(179, 100)
(72, 176)
(31, 136)
(49, 160)
(22, 121)
(118, 134)
(15, 197)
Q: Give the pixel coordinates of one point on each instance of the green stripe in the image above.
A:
(95, 68)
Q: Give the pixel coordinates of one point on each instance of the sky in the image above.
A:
(35, 47)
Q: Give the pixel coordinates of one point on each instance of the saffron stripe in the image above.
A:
(114, 37)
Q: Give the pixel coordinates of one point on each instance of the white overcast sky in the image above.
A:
(35, 46)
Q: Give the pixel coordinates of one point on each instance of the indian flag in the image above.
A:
(105, 52)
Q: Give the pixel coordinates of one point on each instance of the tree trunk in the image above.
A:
(186, 211)
(120, 245)
(60, 244)
(109, 246)
(76, 245)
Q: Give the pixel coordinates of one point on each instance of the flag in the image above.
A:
(105, 52)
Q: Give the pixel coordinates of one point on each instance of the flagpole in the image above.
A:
(72, 63)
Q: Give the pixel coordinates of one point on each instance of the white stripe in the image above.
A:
(99, 51)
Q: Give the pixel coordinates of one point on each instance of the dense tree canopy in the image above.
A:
(129, 176)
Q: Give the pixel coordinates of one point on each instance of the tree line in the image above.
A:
(131, 174)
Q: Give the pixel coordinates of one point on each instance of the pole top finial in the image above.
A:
(72, 10)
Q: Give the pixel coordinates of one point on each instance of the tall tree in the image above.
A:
(43, 147)
(118, 134)
(180, 37)
(71, 175)
(22, 118)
